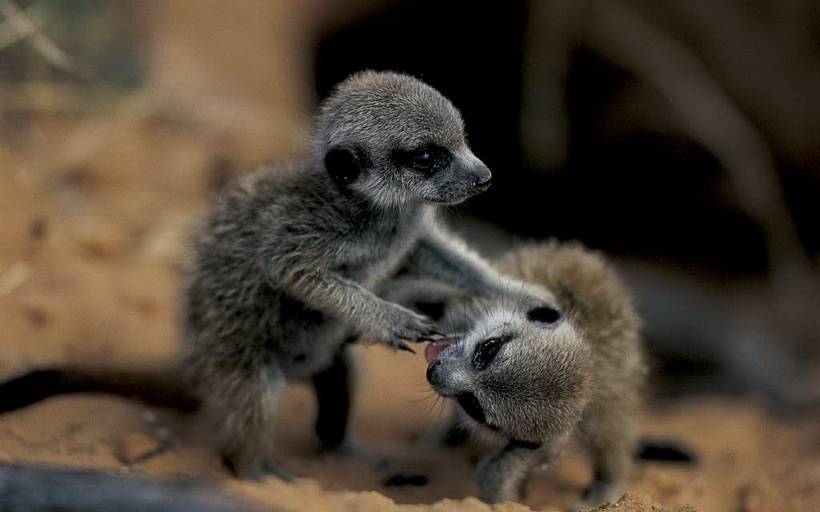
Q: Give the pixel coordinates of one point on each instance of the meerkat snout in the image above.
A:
(443, 371)
(481, 174)
(483, 183)
(463, 177)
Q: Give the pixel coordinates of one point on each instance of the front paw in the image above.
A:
(599, 493)
(254, 468)
(410, 327)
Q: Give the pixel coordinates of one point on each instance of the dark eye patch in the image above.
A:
(544, 315)
(486, 351)
(426, 159)
(471, 406)
(344, 163)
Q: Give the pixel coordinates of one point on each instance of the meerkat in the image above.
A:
(535, 374)
(287, 264)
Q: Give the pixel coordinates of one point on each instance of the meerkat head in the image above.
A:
(395, 139)
(522, 373)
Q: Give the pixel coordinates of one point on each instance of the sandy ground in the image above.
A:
(89, 249)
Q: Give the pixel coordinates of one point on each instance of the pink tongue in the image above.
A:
(437, 347)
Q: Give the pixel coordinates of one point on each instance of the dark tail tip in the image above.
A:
(31, 388)
(665, 450)
(152, 388)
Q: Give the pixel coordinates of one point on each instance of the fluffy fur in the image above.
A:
(576, 366)
(288, 264)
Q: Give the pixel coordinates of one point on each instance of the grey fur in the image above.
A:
(582, 373)
(288, 262)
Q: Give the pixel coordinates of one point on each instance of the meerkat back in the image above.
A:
(535, 373)
(596, 301)
(587, 287)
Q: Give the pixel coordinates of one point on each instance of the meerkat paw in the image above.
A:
(260, 472)
(599, 493)
(496, 487)
(251, 468)
(277, 471)
(499, 495)
(410, 327)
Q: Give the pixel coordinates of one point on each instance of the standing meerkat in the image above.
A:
(286, 266)
(534, 375)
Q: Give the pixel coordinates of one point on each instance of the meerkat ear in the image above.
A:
(544, 315)
(344, 163)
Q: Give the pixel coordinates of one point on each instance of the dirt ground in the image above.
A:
(91, 239)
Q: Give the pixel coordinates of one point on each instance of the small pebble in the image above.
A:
(134, 448)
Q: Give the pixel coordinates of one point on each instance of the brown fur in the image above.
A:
(581, 373)
(586, 285)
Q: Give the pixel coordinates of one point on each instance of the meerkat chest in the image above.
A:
(375, 252)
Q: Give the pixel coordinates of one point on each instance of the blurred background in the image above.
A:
(680, 137)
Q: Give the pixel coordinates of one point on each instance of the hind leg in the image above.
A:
(503, 475)
(334, 388)
(241, 406)
(609, 433)
(333, 396)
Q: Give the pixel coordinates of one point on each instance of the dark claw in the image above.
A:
(431, 335)
(434, 337)
(403, 346)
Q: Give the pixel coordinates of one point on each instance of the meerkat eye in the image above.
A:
(486, 351)
(427, 159)
(544, 315)
(422, 160)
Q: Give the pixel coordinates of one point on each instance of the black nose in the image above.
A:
(483, 182)
(431, 372)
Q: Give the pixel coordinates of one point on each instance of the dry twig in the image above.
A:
(713, 119)
(19, 21)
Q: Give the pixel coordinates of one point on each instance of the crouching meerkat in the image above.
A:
(286, 266)
(535, 374)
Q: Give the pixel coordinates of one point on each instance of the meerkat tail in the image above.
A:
(152, 388)
(665, 450)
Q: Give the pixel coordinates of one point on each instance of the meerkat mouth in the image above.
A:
(434, 348)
